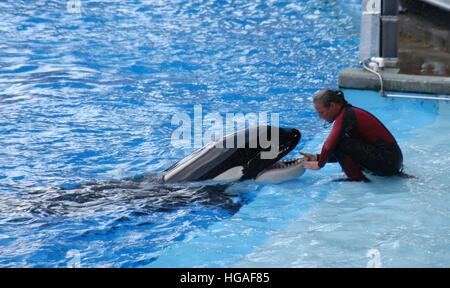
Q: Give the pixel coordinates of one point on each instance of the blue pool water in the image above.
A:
(87, 98)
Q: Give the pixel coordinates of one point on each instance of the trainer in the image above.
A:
(358, 140)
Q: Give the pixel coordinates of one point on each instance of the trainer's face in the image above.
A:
(328, 114)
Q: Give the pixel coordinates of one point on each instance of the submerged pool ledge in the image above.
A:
(357, 78)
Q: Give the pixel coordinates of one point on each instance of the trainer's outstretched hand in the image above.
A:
(309, 156)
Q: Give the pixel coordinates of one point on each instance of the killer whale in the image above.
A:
(150, 194)
(242, 160)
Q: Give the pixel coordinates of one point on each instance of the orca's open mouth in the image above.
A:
(282, 164)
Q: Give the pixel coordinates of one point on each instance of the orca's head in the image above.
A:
(238, 156)
(273, 143)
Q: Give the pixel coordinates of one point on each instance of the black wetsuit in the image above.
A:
(360, 141)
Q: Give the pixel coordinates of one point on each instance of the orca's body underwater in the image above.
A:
(252, 153)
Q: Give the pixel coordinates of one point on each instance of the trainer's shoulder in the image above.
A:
(362, 111)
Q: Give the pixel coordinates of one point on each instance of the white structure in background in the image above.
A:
(370, 30)
(379, 31)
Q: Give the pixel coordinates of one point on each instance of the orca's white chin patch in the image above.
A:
(282, 171)
(232, 174)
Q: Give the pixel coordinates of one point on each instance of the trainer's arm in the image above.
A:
(312, 165)
(332, 140)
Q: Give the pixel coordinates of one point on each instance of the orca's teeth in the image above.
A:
(285, 163)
